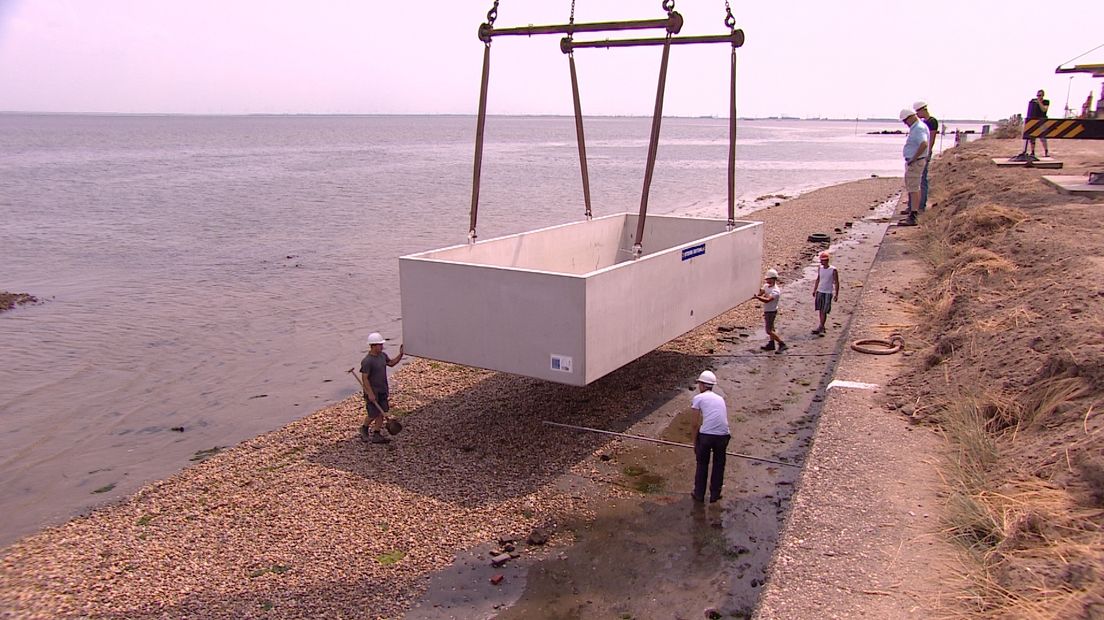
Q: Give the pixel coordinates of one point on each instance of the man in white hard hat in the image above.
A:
(373, 378)
(711, 440)
(916, 155)
(769, 295)
(932, 123)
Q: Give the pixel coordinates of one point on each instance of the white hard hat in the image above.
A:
(707, 377)
(919, 105)
(375, 338)
(907, 112)
(772, 273)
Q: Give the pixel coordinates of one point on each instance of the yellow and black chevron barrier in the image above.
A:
(1062, 128)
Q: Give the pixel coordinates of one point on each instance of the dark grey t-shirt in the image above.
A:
(375, 368)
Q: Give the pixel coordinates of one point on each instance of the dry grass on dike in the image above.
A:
(1032, 548)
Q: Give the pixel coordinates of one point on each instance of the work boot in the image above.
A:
(365, 432)
(782, 346)
(768, 347)
(378, 438)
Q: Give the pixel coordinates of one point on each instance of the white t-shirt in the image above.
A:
(827, 279)
(714, 413)
(774, 293)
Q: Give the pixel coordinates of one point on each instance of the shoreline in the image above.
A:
(265, 341)
(265, 502)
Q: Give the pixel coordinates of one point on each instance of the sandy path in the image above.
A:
(863, 538)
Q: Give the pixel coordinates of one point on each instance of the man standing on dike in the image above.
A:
(825, 290)
(373, 378)
(1037, 108)
(711, 416)
(921, 108)
(916, 155)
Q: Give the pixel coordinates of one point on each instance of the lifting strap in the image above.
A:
(579, 137)
(653, 147)
(730, 21)
(480, 123)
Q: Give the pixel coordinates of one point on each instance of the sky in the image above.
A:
(969, 59)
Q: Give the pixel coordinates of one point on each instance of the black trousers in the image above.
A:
(706, 446)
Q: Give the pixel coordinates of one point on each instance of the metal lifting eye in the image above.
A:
(730, 21)
(492, 15)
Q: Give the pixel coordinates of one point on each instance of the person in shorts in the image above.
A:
(769, 295)
(916, 156)
(825, 290)
(373, 379)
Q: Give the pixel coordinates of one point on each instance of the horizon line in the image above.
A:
(449, 114)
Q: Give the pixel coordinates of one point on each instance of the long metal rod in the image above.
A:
(479, 142)
(663, 441)
(579, 134)
(653, 148)
(736, 38)
(672, 23)
(732, 144)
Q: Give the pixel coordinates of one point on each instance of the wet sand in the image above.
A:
(308, 521)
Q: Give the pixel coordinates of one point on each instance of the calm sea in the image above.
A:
(221, 273)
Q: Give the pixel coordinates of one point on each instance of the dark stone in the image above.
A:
(500, 559)
(537, 537)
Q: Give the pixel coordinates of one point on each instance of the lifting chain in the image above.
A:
(571, 20)
(730, 21)
(669, 5)
(492, 15)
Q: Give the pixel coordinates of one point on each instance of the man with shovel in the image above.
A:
(373, 380)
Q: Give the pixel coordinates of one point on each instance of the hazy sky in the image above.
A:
(849, 58)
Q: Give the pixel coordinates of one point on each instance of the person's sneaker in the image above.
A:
(818, 331)
(714, 500)
(768, 347)
(365, 432)
(696, 498)
(782, 346)
(378, 438)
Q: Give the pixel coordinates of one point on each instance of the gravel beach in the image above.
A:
(308, 521)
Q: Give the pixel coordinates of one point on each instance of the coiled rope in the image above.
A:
(877, 346)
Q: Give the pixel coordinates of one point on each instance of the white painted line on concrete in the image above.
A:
(851, 384)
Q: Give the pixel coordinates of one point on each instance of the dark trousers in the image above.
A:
(706, 446)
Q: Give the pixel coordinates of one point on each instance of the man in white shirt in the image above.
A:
(711, 440)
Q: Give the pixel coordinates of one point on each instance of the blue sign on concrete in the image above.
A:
(691, 252)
